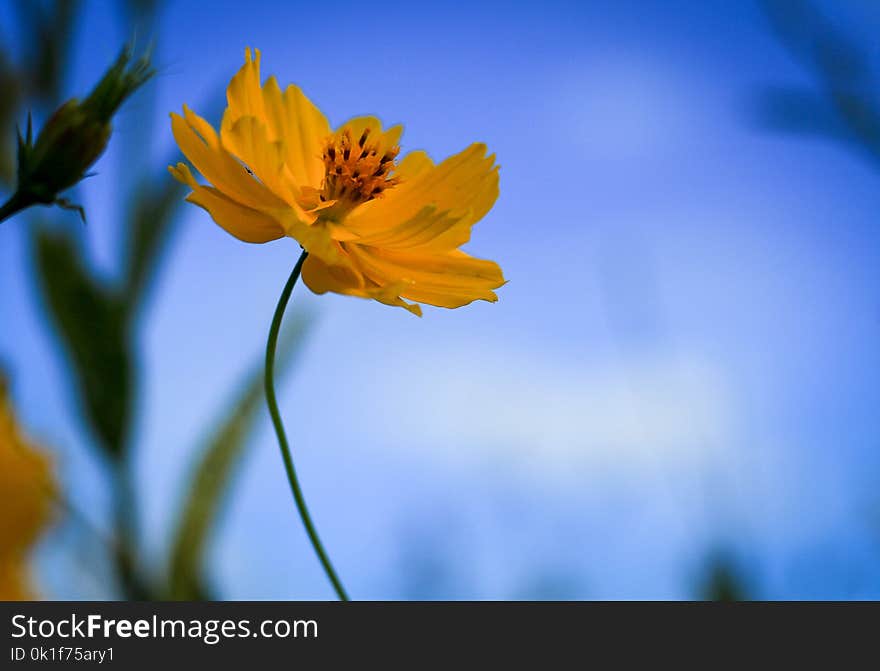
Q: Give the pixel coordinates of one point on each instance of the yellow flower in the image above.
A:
(26, 487)
(374, 226)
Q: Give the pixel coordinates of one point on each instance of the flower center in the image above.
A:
(355, 170)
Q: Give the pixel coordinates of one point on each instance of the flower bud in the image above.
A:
(73, 138)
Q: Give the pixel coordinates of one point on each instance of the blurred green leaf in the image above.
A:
(724, 580)
(844, 105)
(155, 206)
(9, 103)
(92, 322)
(212, 474)
(797, 111)
(48, 28)
(140, 11)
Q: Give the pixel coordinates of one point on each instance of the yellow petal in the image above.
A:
(290, 118)
(384, 140)
(243, 95)
(304, 129)
(413, 164)
(341, 279)
(465, 186)
(316, 238)
(446, 280)
(419, 232)
(243, 222)
(430, 229)
(321, 277)
(248, 140)
(200, 145)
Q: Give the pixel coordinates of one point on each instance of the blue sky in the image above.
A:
(684, 360)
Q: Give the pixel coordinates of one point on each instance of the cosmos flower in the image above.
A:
(27, 486)
(374, 226)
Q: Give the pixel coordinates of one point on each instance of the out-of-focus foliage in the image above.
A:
(844, 103)
(723, 580)
(97, 324)
(141, 10)
(9, 101)
(72, 139)
(212, 475)
(96, 318)
(154, 207)
(93, 323)
(48, 29)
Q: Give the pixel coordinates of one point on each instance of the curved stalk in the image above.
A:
(282, 436)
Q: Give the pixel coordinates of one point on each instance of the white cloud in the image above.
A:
(556, 416)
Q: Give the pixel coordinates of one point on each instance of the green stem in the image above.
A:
(282, 437)
(134, 586)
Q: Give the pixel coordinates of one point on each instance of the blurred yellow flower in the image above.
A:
(374, 226)
(26, 487)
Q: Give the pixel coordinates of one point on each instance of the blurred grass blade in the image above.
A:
(156, 204)
(724, 580)
(9, 102)
(213, 473)
(845, 83)
(817, 42)
(796, 111)
(92, 324)
(48, 32)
